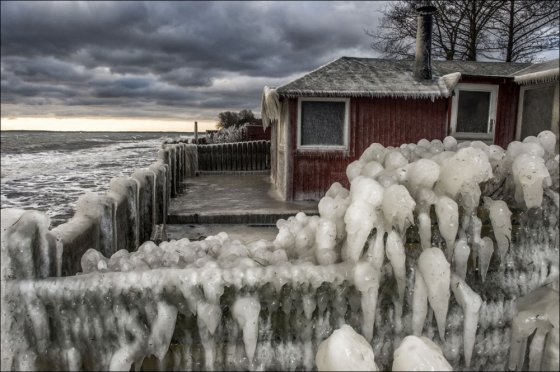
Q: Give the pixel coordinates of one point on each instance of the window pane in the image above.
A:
(537, 111)
(322, 123)
(472, 113)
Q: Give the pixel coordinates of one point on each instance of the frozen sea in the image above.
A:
(48, 171)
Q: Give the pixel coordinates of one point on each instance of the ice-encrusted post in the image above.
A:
(423, 62)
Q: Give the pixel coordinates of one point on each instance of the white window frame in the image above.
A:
(345, 130)
(522, 91)
(469, 87)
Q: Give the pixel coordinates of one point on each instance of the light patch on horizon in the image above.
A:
(103, 124)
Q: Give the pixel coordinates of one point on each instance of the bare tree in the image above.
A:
(522, 28)
(463, 29)
(473, 35)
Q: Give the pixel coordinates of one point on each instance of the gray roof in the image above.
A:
(471, 68)
(539, 67)
(372, 77)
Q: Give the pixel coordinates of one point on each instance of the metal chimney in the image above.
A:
(423, 59)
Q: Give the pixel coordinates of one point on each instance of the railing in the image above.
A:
(133, 211)
(234, 157)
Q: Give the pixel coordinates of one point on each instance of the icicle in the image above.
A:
(325, 242)
(471, 303)
(376, 249)
(246, 312)
(437, 275)
(162, 329)
(461, 258)
(425, 230)
(359, 219)
(536, 349)
(476, 241)
(366, 280)
(485, 254)
(537, 309)
(210, 314)
(500, 217)
(309, 305)
(396, 255)
(551, 360)
(419, 304)
(447, 213)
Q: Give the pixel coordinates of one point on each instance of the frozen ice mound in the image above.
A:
(407, 249)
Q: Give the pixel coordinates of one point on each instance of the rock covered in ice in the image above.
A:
(419, 354)
(345, 350)
(375, 152)
(366, 190)
(450, 143)
(372, 169)
(394, 159)
(354, 169)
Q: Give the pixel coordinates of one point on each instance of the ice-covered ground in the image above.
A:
(436, 240)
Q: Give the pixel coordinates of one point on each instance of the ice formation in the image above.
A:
(471, 303)
(372, 261)
(419, 354)
(345, 350)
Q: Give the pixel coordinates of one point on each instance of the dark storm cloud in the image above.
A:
(102, 57)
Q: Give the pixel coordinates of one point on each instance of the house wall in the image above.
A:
(388, 121)
(506, 111)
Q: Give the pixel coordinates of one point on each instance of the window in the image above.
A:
(323, 123)
(474, 111)
(538, 110)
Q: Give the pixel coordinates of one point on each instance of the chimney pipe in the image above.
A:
(423, 59)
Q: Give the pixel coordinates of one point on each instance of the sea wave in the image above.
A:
(50, 176)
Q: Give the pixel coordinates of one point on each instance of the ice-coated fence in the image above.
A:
(201, 317)
(234, 157)
(125, 217)
(373, 259)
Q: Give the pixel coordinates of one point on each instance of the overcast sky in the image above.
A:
(157, 60)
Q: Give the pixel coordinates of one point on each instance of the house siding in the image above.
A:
(389, 121)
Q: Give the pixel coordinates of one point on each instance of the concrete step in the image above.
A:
(245, 233)
(248, 217)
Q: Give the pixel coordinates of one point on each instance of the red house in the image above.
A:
(324, 120)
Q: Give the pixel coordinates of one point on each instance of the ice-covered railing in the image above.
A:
(132, 211)
(218, 304)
